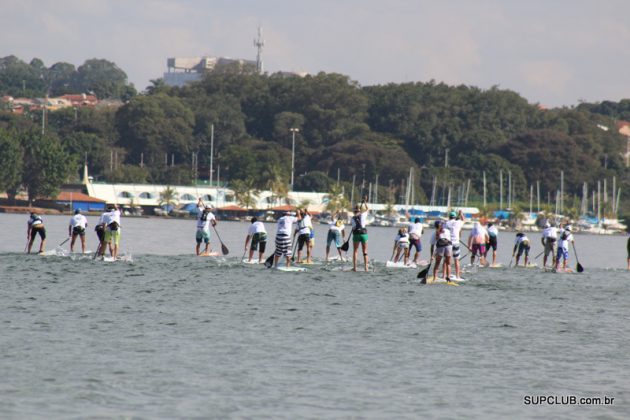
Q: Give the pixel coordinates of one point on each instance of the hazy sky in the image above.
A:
(555, 52)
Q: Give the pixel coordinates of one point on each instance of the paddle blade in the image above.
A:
(579, 268)
(224, 249)
(423, 273)
(345, 246)
(269, 261)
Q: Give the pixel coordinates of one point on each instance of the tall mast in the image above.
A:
(259, 43)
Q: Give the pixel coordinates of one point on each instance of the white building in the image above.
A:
(182, 70)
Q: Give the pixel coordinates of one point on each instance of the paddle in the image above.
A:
(579, 266)
(224, 249)
(423, 273)
(536, 257)
(269, 260)
(346, 245)
(67, 239)
(98, 250)
(511, 259)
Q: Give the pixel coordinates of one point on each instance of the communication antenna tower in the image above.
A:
(259, 43)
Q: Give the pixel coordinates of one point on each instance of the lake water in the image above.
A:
(170, 335)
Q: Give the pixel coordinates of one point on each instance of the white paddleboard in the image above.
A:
(399, 264)
(291, 269)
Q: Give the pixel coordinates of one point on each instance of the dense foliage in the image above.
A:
(448, 134)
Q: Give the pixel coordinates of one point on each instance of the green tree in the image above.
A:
(245, 192)
(46, 164)
(10, 161)
(156, 126)
(102, 77)
(168, 197)
(336, 200)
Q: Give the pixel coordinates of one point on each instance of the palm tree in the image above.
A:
(336, 200)
(245, 192)
(169, 197)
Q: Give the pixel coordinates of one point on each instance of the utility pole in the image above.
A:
(211, 152)
(259, 43)
(293, 131)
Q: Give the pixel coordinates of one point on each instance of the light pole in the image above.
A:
(293, 131)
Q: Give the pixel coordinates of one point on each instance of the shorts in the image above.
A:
(202, 235)
(303, 239)
(112, 237)
(78, 230)
(283, 245)
(550, 247)
(455, 251)
(415, 243)
(523, 247)
(333, 236)
(562, 253)
(100, 232)
(41, 231)
(403, 245)
(492, 243)
(360, 237)
(478, 249)
(259, 239)
(443, 251)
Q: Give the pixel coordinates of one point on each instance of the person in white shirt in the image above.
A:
(283, 239)
(304, 229)
(565, 238)
(401, 246)
(205, 218)
(521, 244)
(35, 226)
(77, 226)
(477, 243)
(493, 236)
(258, 235)
(549, 239)
(111, 221)
(441, 248)
(415, 233)
(454, 224)
(336, 233)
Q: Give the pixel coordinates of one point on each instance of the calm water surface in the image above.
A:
(171, 335)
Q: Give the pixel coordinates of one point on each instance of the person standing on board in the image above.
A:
(549, 239)
(493, 236)
(336, 233)
(441, 249)
(521, 244)
(112, 230)
(359, 233)
(35, 226)
(415, 233)
(401, 246)
(100, 232)
(308, 222)
(454, 225)
(258, 235)
(283, 239)
(566, 237)
(303, 236)
(205, 218)
(477, 243)
(77, 226)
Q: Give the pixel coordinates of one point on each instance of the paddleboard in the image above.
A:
(253, 261)
(209, 254)
(399, 264)
(498, 265)
(291, 269)
(439, 280)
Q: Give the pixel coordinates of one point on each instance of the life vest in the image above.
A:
(358, 227)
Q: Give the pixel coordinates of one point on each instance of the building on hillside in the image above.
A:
(182, 70)
(624, 129)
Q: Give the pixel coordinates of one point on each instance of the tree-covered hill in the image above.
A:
(448, 134)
